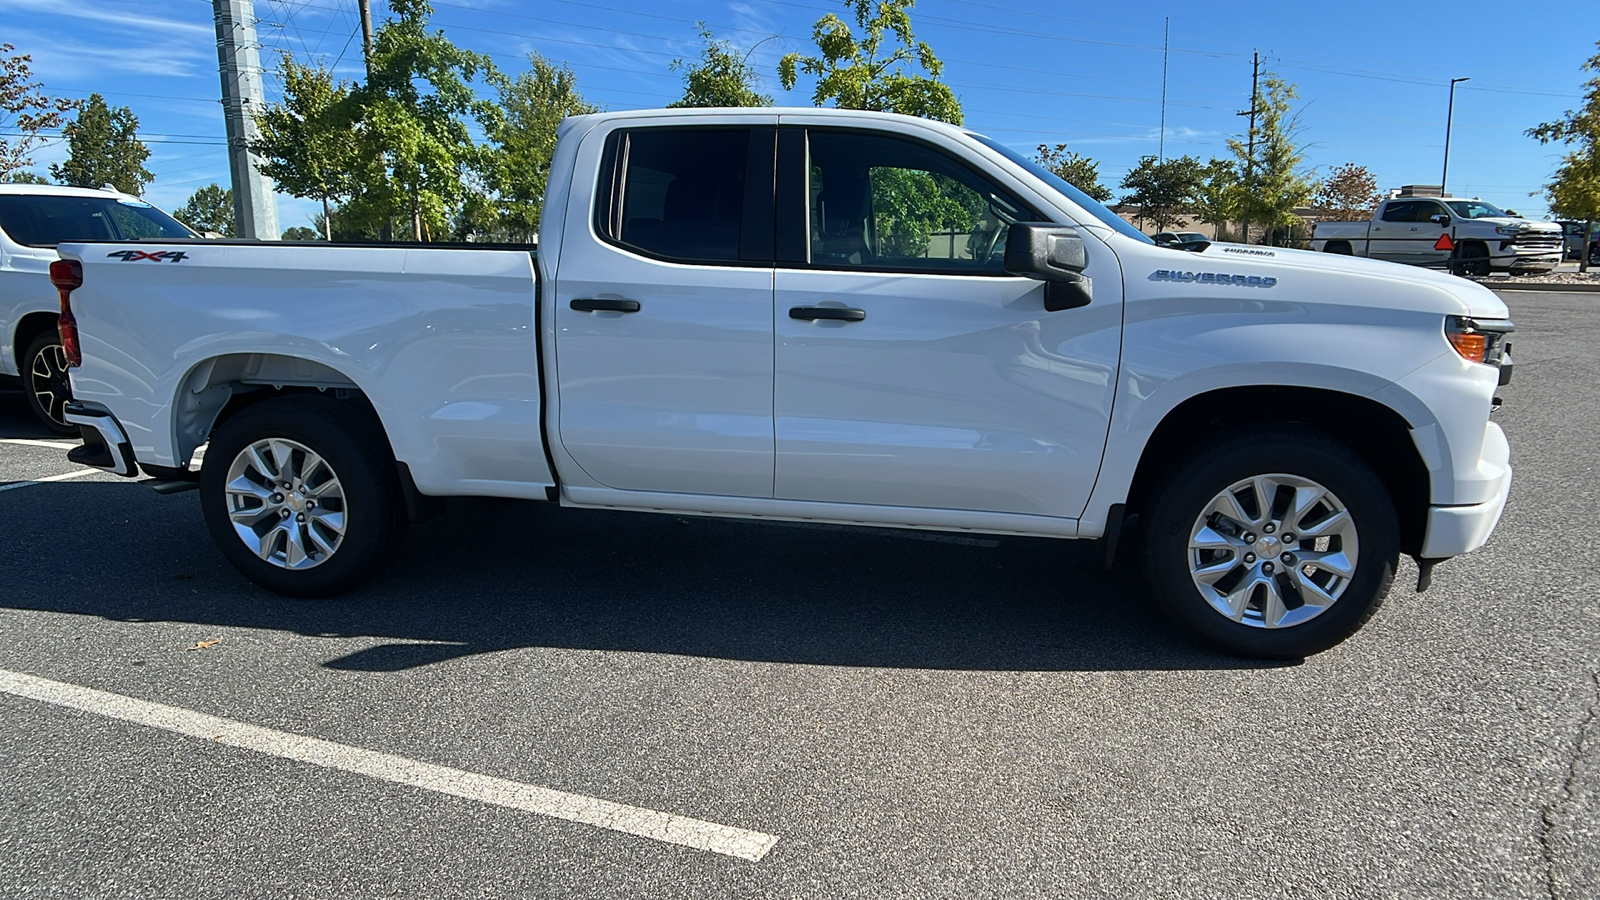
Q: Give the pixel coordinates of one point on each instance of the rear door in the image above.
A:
(663, 308)
(911, 369)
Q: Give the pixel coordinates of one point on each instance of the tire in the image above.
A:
(1309, 601)
(345, 512)
(1473, 259)
(45, 383)
(1339, 248)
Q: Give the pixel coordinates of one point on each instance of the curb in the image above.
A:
(1543, 286)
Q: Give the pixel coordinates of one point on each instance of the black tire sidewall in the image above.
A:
(1308, 455)
(25, 369)
(373, 521)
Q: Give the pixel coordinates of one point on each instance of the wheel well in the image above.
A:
(220, 388)
(1340, 247)
(29, 327)
(1378, 434)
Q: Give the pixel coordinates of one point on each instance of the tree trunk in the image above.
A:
(1583, 247)
(416, 218)
(327, 220)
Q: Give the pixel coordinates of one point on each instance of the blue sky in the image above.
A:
(1372, 77)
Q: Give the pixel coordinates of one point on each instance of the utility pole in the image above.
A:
(1250, 154)
(366, 34)
(1450, 112)
(255, 211)
(1161, 147)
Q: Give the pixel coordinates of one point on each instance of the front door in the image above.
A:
(663, 309)
(910, 369)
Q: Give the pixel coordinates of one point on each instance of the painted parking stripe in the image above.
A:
(54, 445)
(647, 823)
(31, 482)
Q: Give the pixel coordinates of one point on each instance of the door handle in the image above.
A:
(834, 313)
(623, 306)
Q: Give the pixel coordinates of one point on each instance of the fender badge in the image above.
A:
(1258, 281)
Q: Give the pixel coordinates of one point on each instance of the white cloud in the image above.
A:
(100, 11)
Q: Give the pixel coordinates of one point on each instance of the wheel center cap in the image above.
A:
(1268, 547)
(297, 501)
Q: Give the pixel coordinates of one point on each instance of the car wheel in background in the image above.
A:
(45, 383)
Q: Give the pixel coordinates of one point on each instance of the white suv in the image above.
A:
(33, 219)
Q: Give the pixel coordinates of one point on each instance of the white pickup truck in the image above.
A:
(34, 218)
(1469, 237)
(816, 315)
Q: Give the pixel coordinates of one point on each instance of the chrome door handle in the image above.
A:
(835, 313)
(622, 306)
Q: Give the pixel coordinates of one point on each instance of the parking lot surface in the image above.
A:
(547, 702)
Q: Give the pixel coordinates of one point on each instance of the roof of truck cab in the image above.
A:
(701, 112)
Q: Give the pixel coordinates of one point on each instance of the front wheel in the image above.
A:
(1277, 544)
(45, 383)
(301, 496)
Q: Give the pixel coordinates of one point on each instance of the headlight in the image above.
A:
(1507, 229)
(1478, 340)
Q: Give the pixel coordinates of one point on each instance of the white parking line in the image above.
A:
(33, 481)
(647, 823)
(29, 442)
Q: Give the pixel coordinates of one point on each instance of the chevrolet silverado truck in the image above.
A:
(33, 220)
(1468, 237)
(817, 316)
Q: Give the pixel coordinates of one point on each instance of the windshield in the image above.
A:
(45, 221)
(1475, 209)
(1090, 205)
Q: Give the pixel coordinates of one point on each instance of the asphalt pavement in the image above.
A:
(905, 714)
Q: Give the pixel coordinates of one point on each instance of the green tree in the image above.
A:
(414, 110)
(308, 142)
(25, 112)
(1574, 191)
(1216, 201)
(531, 108)
(722, 77)
(104, 148)
(862, 73)
(208, 209)
(1077, 170)
(27, 178)
(1272, 180)
(1164, 191)
(302, 233)
(1348, 194)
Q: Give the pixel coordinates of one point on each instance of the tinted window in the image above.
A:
(1405, 212)
(40, 221)
(878, 201)
(1090, 205)
(682, 192)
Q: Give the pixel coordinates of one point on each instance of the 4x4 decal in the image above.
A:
(154, 256)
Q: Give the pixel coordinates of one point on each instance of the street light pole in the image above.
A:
(1449, 114)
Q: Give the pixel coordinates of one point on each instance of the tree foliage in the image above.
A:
(1075, 169)
(722, 77)
(104, 148)
(1216, 201)
(414, 111)
(1348, 194)
(870, 71)
(208, 209)
(25, 111)
(1164, 191)
(308, 143)
(1574, 190)
(1272, 180)
(25, 177)
(302, 233)
(532, 106)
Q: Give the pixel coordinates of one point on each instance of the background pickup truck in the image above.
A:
(1482, 237)
(33, 220)
(816, 315)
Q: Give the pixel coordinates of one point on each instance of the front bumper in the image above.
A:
(1454, 530)
(105, 444)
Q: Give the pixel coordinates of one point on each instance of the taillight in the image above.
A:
(67, 276)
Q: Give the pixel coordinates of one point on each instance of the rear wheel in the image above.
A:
(301, 496)
(1276, 544)
(45, 383)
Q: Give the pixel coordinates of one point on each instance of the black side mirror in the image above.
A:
(1055, 255)
(1440, 219)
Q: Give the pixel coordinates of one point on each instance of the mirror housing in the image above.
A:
(1440, 219)
(1055, 255)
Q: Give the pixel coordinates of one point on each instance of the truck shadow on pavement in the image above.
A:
(493, 575)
